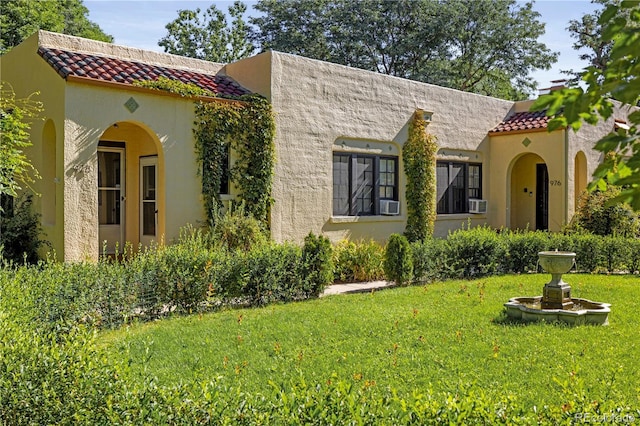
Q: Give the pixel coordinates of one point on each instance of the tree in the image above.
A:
(619, 80)
(207, 35)
(486, 46)
(21, 18)
(15, 114)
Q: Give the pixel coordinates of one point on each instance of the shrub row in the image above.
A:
(186, 277)
(482, 251)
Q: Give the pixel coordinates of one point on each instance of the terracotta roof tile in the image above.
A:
(522, 122)
(120, 71)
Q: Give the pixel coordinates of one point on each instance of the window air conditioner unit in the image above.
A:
(389, 207)
(477, 206)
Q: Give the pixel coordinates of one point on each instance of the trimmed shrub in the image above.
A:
(474, 252)
(317, 263)
(358, 261)
(523, 248)
(398, 261)
(588, 249)
(615, 253)
(428, 260)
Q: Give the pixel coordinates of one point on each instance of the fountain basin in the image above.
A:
(582, 311)
(556, 262)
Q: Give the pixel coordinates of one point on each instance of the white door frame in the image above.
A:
(112, 233)
(148, 200)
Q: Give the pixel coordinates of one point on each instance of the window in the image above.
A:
(360, 181)
(457, 182)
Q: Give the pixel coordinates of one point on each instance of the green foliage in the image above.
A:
(523, 249)
(20, 230)
(248, 129)
(597, 212)
(21, 18)
(235, 230)
(428, 265)
(317, 263)
(15, 115)
(419, 154)
(475, 252)
(207, 35)
(358, 261)
(455, 43)
(174, 86)
(398, 260)
(619, 80)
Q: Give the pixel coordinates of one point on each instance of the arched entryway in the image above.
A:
(579, 176)
(130, 182)
(529, 193)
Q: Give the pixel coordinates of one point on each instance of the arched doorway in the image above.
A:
(529, 193)
(130, 182)
(579, 177)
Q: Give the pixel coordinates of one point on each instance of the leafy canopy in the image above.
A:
(21, 18)
(487, 47)
(206, 34)
(618, 80)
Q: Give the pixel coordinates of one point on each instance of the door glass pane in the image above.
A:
(108, 169)
(109, 206)
(149, 182)
(148, 218)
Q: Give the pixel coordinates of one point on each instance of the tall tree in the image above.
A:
(21, 18)
(207, 35)
(618, 79)
(485, 46)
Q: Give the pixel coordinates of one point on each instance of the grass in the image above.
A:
(439, 337)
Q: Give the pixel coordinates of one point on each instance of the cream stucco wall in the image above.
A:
(319, 105)
(28, 73)
(512, 170)
(161, 125)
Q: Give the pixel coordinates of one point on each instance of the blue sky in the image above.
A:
(141, 23)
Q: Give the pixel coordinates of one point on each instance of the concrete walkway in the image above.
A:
(356, 287)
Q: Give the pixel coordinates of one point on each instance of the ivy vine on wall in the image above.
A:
(419, 155)
(245, 126)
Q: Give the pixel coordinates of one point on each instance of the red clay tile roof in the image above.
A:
(522, 122)
(116, 70)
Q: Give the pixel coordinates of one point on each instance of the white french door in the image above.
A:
(111, 190)
(148, 199)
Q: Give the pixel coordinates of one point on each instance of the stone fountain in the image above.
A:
(556, 303)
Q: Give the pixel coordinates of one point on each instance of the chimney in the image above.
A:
(555, 85)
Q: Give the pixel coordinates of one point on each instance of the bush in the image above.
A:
(428, 260)
(317, 263)
(20, 229)
(615, 252)
(358, 261)
(523, 249)
(596, 214)
(474, 252)
(236, 230)
(398, 261)
(588, 249)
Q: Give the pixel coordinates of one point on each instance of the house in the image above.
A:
(118, 162)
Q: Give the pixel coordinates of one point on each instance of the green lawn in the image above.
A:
(439, 337)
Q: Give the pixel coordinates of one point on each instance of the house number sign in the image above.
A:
(555, 183)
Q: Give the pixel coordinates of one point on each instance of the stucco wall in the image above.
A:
(507, 171)
(319, 103)
(164, 121)
(28, 73)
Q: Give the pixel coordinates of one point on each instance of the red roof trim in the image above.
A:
(104, 69)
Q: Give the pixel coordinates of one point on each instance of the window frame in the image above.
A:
(468, 190)
(354, 192)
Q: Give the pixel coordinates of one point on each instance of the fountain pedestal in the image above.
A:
(556, 294)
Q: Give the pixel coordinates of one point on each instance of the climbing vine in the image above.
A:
(245, 125)
(419, 154)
